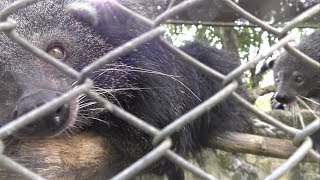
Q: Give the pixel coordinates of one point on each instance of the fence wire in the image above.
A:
(162, 140)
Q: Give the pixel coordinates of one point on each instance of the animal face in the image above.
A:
(28, 82)
(293, 77)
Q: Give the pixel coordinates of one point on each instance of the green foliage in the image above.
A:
(249, 41)
(264, 102)
(180, 33)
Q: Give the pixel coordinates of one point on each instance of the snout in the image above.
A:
(49, 125)
(284, 98)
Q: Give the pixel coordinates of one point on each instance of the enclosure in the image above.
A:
(84, 155)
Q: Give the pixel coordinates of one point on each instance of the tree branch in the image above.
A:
(253, 144)
(255, 93)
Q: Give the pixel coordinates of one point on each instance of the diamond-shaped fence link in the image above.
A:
(162, 139)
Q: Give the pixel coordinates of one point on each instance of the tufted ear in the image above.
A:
(84, 11)
(107, 18)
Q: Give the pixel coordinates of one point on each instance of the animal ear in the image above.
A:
(84, 11)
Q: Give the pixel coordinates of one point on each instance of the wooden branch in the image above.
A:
(232, 24)
(253, 144)
(255, 93)
(215, 11)
(90, 156)
(83, 156)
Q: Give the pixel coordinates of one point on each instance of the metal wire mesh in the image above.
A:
(162, 139)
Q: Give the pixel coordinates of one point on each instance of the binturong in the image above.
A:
(299, 80)
(296, 78)
(150, 82)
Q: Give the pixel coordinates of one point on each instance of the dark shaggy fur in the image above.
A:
(295, 78)
(150, 82)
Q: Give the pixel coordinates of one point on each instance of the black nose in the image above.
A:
(48, 125)
(282, 98)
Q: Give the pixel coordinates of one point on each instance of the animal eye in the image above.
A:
(277, 80)
(299, 79)
(57, 52)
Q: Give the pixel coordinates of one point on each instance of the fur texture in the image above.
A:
(295, 78)
(150, 82)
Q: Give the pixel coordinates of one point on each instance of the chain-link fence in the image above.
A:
(161, 137)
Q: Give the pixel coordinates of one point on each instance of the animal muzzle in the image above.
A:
(48, 125)
(284, 98)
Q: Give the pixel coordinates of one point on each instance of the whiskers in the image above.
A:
(297, 119)
(129, 69)
(312, 110)
(310, 100)
(115, 85)
(85, 116)
(296, 110)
